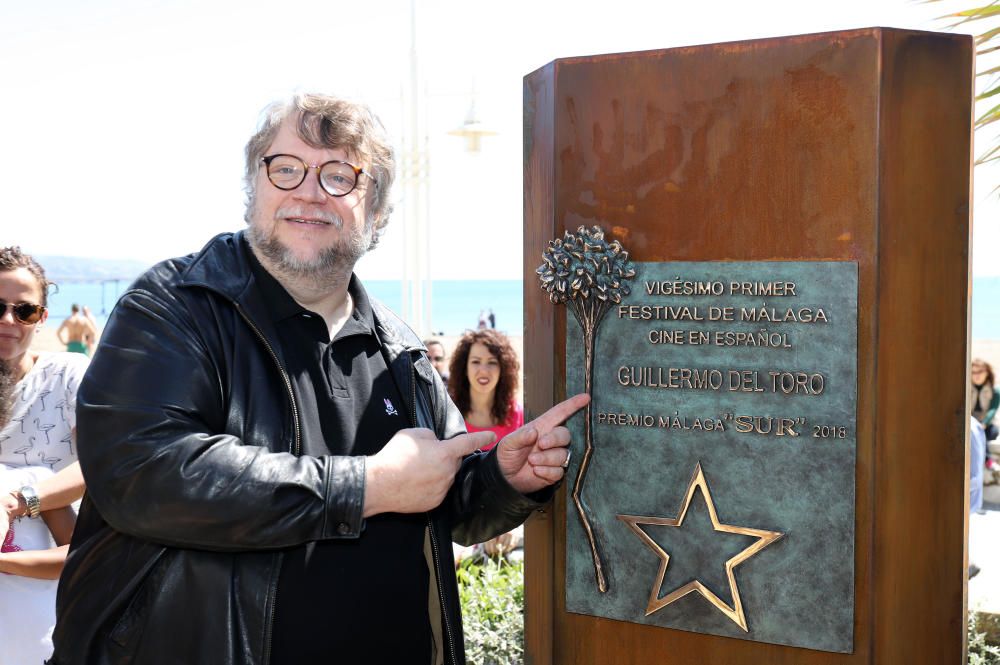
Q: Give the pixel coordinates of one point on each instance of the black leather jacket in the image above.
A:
(189, 438)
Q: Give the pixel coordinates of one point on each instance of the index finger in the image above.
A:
(466, 444)
(559, 413)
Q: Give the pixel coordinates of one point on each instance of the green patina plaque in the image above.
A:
(719, 493)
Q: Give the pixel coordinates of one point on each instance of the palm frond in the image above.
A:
(987, 42)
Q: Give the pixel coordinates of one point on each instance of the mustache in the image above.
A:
(310, 213)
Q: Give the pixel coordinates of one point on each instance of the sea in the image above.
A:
(456, 304)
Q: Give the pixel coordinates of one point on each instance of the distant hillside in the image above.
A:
(79, 269)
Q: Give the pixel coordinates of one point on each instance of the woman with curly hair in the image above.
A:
(483, 382)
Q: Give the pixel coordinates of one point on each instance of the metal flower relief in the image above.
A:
(588, 274)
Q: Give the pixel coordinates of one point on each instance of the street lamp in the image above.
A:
(472, 130)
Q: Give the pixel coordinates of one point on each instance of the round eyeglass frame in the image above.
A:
(358, 172)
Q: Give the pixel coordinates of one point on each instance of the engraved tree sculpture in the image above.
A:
(589, 275)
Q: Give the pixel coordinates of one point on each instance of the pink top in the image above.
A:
(515, 418)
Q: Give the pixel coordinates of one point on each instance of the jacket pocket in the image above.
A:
(129, 626)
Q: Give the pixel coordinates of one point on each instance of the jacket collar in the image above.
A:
(223, 266)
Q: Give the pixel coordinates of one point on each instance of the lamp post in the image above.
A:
(416, 283)
(472, 130)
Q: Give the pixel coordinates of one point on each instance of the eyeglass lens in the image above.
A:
(24, 312)
(288, 172)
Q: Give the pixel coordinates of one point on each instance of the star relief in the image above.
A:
(764, 538)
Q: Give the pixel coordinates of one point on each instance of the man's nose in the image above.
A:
(310, 189)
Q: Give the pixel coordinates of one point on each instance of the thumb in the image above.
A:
(466, 444)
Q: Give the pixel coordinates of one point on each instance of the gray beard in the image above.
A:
(7, 384)
(330, 270)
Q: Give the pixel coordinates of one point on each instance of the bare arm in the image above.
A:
(44, 564)
(60, 522)
(91, 329)
(54, 492)
(59, 331)
(40, 564)
(63, 488)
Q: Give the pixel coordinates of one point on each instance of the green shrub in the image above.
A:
(492, 595)
(981, 652)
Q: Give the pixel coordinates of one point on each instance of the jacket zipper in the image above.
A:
(296, 448)
(449, 637)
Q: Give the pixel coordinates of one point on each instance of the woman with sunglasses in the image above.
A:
(985, 397)
(39, 473)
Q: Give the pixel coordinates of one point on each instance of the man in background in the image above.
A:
(77, 329)
(439, 359)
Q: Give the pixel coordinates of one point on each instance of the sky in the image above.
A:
(126, 120)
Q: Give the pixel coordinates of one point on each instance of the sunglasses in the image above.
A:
(24, 312)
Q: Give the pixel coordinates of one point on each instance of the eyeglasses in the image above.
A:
(337, 178)
(24, 312)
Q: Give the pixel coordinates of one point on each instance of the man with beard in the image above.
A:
(276, 470)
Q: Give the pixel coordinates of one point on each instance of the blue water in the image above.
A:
(986, 308)
(455, 304)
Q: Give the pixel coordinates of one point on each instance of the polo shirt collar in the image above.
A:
(283, 307)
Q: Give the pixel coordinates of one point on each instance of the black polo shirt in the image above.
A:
(358, 600)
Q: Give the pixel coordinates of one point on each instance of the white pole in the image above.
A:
(416, 284)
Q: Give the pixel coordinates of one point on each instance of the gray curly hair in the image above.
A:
(324, 121)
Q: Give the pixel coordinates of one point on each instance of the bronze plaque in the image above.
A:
(717, 495)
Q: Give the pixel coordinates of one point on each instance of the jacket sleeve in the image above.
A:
(152, 415)
(481, 503)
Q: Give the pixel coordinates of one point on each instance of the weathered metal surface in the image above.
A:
(850, 146)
